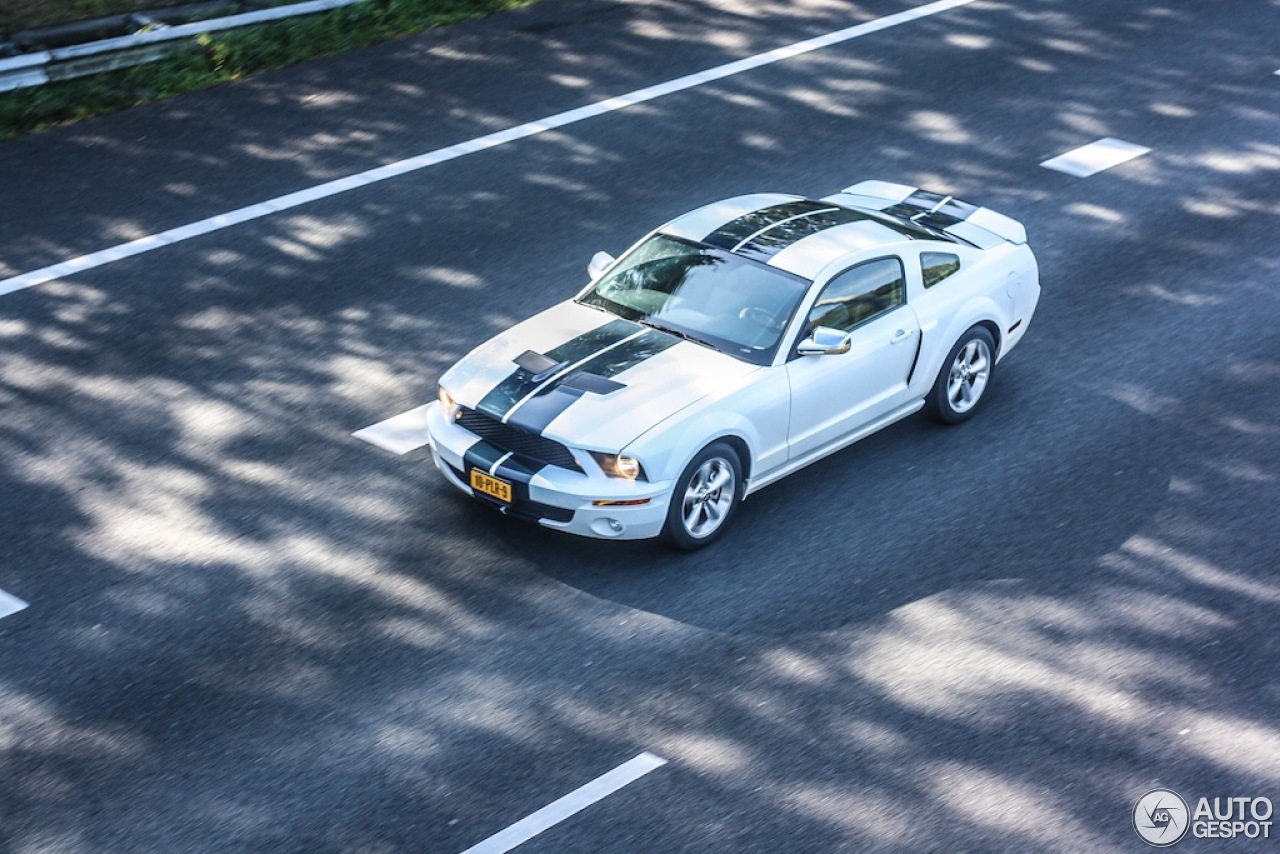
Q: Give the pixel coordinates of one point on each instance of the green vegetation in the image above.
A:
(216, 57)
(17, 15)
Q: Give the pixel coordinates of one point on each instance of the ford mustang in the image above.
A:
(729, 348)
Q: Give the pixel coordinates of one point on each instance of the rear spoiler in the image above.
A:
(979, 226)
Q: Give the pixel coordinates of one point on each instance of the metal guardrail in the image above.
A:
(156, 42)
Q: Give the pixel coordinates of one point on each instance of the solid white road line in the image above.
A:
(399, 434)
(10, 604)
(482, 143)
(1095, 157)
(574, 802)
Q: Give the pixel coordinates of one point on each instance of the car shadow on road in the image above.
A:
(914, 511)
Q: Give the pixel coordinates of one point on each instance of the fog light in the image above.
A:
(607, 527)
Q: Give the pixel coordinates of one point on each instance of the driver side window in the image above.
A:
(859, 294)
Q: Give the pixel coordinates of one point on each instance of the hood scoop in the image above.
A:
(539, 365)
(593, 383)
(544, 368)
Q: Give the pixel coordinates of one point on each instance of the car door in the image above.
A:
(836, 394)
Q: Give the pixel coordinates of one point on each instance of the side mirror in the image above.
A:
(825, 341)
(599, 263)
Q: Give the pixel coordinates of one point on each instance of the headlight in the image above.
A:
(628, 467)
(620, 465)
(446, 400)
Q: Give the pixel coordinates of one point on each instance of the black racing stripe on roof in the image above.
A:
(779, 226)
(737, 230)
(522, 381)
(773, 241)
(544, 407)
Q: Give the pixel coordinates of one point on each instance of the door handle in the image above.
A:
(901, 335)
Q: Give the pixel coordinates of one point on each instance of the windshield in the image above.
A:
(738, 306)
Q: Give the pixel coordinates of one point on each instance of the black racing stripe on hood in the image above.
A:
(544, 407)
(521, 382)
(540, 410)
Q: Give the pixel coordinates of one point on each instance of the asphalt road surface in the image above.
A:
(249, 631)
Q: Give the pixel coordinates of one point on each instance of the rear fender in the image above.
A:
(937, 343)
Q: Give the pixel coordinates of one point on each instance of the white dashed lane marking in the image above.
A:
(481, 143)
(574, 802)
(399, 434)
(10, 604)
(1095, 157)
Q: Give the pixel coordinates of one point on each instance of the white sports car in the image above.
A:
(729, 348)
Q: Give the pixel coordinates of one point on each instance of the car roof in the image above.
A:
(792, 233)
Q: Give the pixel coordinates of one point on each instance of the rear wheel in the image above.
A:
(705, 498)
(964, 377)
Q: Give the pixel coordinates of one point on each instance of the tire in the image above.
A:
(965, 375)
(698, 515)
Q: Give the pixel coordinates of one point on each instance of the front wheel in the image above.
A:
(964, 377)
(705, 497)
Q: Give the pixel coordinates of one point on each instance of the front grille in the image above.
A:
(517, 441)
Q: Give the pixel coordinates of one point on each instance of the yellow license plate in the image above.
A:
(492, 486)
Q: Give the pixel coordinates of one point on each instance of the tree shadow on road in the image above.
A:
(250, 631)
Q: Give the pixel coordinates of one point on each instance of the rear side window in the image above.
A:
(936, 266)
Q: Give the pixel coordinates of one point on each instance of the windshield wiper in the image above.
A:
(679, 333)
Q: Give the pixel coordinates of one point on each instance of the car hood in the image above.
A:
(588, 379)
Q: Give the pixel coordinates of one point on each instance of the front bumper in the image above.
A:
(551, 496)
